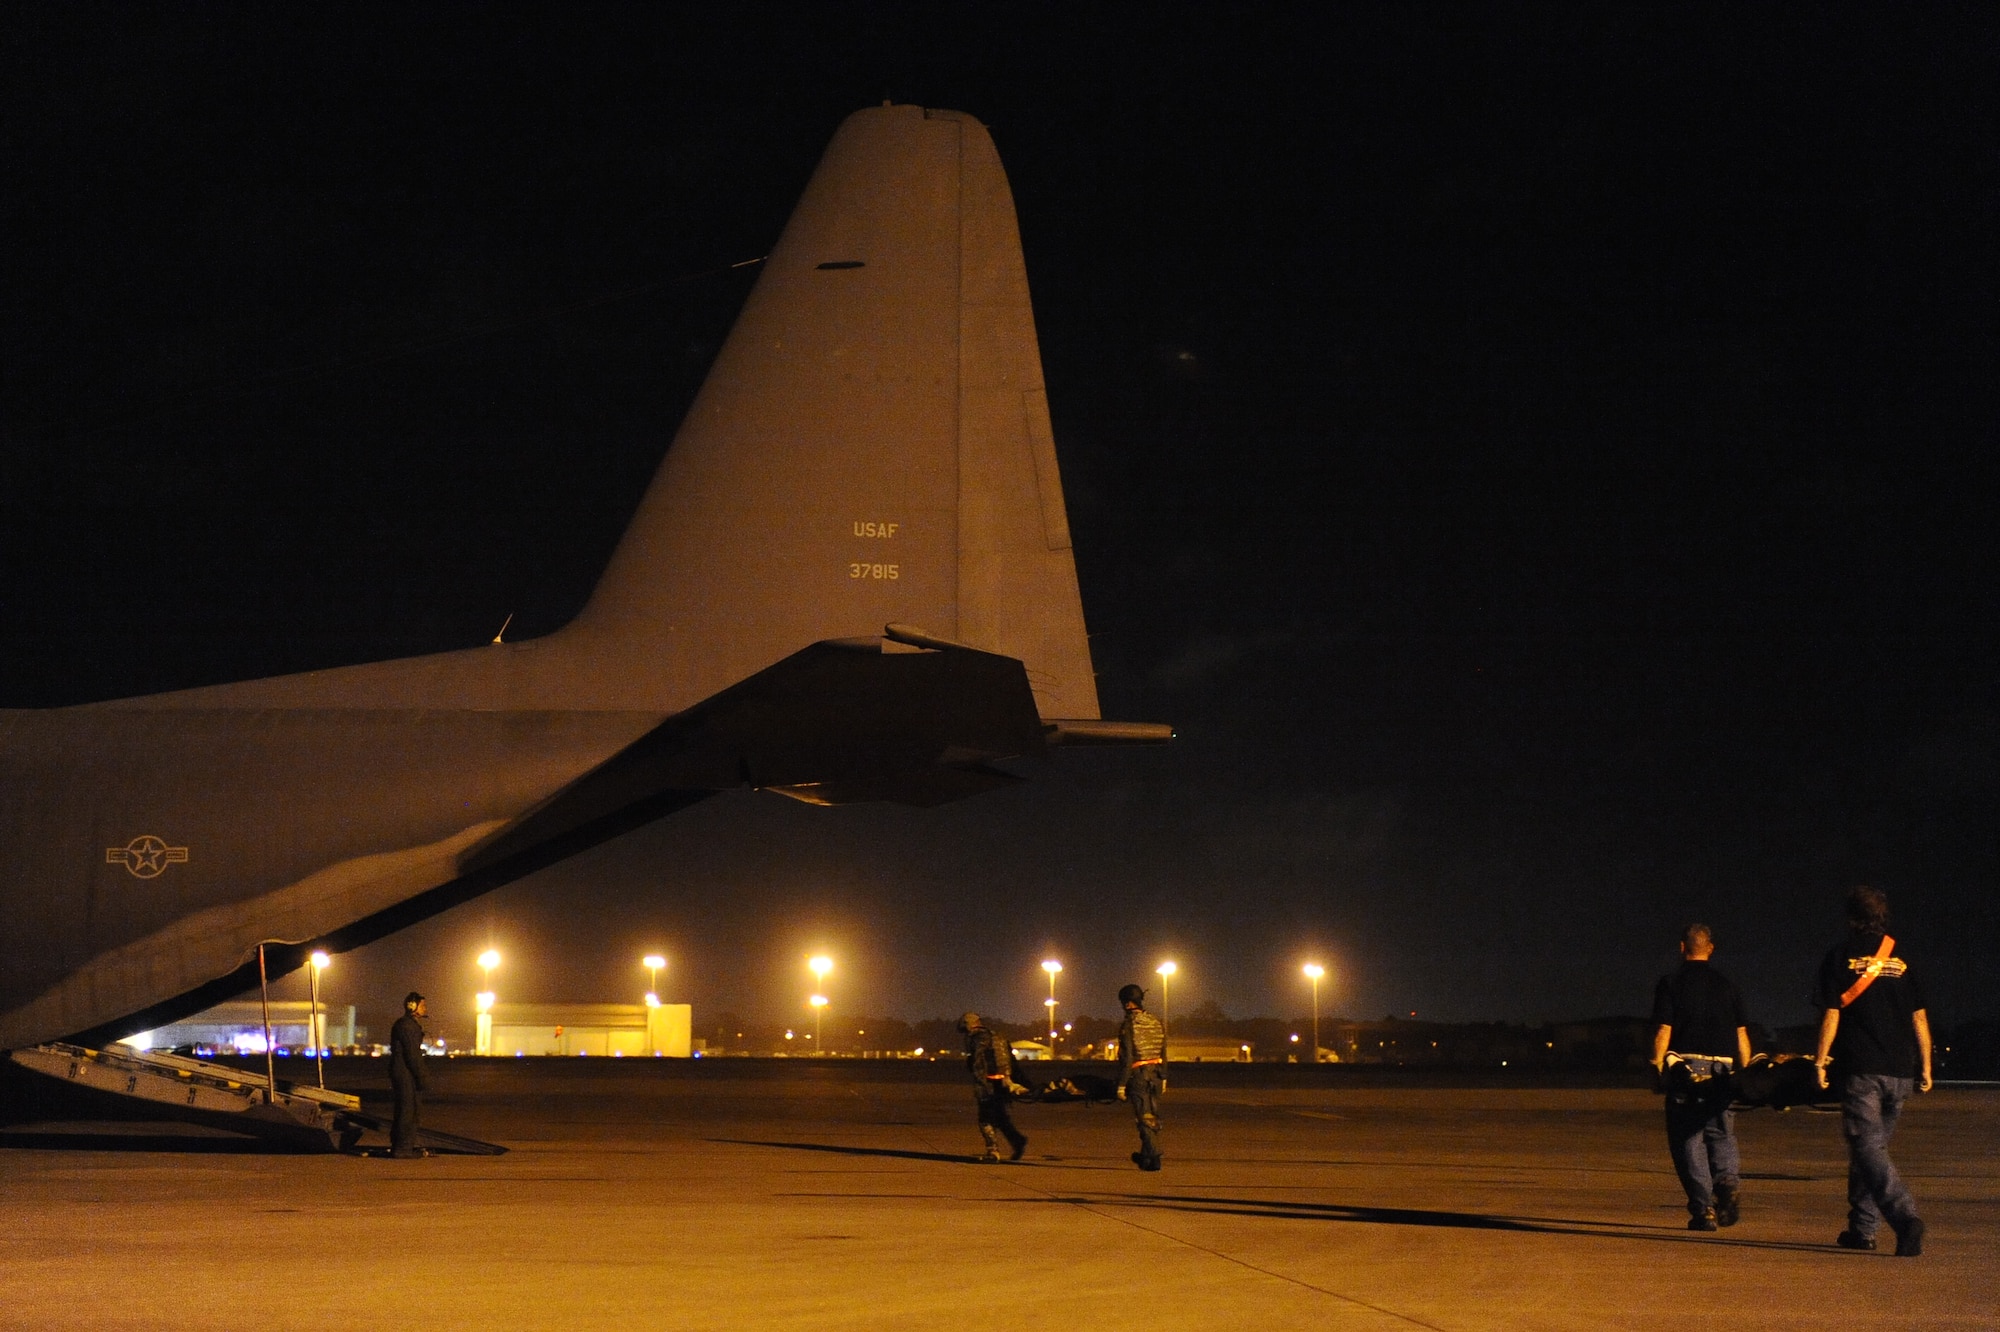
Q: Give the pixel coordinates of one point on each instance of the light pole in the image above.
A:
(1313, 972)
(318, 964)
(1166, 970)
(820, 965)
(482, 1031)
(654, 964)
(1052, 967)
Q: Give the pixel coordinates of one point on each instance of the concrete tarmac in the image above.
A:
(751, 1194)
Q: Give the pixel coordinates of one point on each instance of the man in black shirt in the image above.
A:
(1874, 1030)
(1700, 1021)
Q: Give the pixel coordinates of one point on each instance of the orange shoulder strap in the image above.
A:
(1868, 973)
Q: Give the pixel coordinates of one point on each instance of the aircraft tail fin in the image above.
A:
(872, 445)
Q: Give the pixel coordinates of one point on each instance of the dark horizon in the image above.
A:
(1539, 461)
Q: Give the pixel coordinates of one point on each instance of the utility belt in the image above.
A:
(1004, 1084)
(1146, 1063)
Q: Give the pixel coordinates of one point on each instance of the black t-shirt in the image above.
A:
(1703, 1008)
(1877, 1034)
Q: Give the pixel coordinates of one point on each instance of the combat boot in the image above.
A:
(1728, 1206)
(1705, 1221)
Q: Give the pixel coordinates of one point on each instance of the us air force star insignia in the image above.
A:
(145, 857)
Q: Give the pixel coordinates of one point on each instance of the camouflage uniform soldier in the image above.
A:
(1142, 1060)
(991, 1064)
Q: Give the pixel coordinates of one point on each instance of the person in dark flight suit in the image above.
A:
(406, 1075)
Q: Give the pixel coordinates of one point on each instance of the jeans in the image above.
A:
(1869, 1105)
(1701, 1134)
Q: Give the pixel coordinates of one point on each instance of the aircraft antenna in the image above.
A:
(503, 627)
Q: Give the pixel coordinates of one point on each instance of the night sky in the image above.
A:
(1540, 461)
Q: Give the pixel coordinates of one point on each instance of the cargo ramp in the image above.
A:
(286, 1114)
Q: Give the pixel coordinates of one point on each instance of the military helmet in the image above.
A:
(1131, 994)
(968, 1021)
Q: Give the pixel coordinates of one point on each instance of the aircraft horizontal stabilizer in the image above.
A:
(840, 722)
(1089, 731)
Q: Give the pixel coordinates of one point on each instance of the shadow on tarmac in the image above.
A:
(957, 1158)
(1268, 1209)
(157, 1140)
(1404, 1216)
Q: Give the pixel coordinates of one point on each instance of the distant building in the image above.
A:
(607, 1030)
(1192, 1050)
(1608, 1044)
(237, 1027)
(1200, 1050)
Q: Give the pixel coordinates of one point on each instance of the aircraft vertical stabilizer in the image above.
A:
(1017, 592)
(871, 447)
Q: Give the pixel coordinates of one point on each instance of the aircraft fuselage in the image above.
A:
(136, 833)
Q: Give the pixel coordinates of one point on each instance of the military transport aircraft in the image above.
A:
(850, 580)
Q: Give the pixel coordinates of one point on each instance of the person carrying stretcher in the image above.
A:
(1876, 1035)
(1700, 1040)
(991, 1065)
